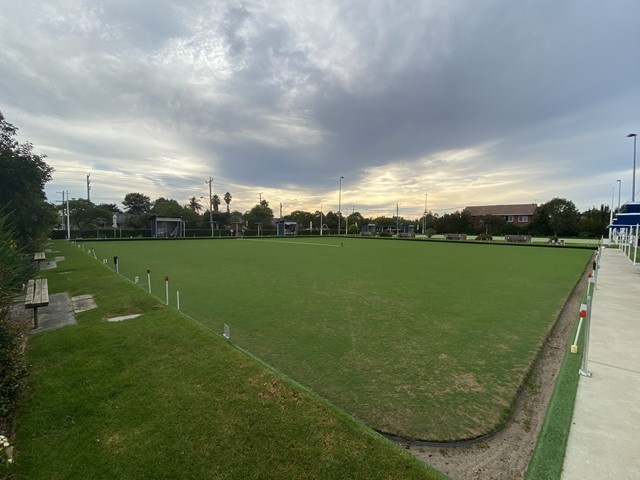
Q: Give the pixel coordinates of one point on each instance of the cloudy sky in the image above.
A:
(469, 101)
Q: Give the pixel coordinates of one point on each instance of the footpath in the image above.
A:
(604, 441)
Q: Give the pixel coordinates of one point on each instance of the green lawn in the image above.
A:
(161, 397)
(424, 340)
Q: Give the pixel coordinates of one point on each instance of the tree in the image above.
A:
(558, 217)
(215, 201)
(83, 214)
(260, 213)
(136, 203)
(593, 222)
(112, 207)
(194, 205)
(303, 218)
(227, 200)
(456, 222)
(22, 181)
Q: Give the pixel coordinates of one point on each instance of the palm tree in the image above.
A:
(194, 205)
(227, 200)
(215, 201)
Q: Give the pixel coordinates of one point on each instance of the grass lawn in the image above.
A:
(161, 397)
(424, 340)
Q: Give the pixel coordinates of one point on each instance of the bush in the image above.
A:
(430, 232)
(485, 237)
(353, 230)
(15, 268)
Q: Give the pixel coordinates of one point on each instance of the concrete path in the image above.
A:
(604, 441)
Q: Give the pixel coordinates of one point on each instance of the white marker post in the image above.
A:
(227, 332)
(115, 263)
(178, 299)
(149, 278)
(166, 288)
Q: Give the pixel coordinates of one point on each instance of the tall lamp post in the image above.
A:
(633, 179)
(619, 188)
(340, 206)
(210, 205)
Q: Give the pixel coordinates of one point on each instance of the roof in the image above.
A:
(517, 209)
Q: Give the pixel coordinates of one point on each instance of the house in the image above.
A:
(519, 214)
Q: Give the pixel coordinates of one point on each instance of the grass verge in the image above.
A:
(162, 397)
(548, 455)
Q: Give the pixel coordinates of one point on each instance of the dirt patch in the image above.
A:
(505, 455)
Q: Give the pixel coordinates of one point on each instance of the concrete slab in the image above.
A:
(82, 303)
(124, 317)
(58, 314)
(603, 441)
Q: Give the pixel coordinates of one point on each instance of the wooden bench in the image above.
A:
(455, 236)
(37, 296)
(518, 238)
(39, 257)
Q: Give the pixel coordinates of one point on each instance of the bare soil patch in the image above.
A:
(505, 455)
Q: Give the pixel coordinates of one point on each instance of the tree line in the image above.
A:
(557, 218)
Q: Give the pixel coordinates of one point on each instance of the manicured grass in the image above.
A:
(548, 456)
(161, 397)
(425, 340)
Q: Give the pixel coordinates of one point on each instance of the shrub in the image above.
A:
(484, 237)
(430, 232)
(15, 268)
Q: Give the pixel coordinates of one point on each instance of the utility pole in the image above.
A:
(210, 206)
(397, 218)
(260, 195)
(424, 223)
(88, 188)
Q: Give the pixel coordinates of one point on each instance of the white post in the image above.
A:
(635, 247)
(149, 279)
(587, 329)
(177, 299)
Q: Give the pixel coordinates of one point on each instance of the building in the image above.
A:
(519, 214)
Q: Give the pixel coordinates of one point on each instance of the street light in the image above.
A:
(633, 179)
(340, 205)
(619, 187)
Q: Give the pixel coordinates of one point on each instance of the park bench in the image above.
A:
(518, 238)
(39, 257)
(455, 236)
(37, 296)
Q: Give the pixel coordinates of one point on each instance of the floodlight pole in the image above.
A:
(633, 178)
(619, 188)
(210, 206)
(340, 206)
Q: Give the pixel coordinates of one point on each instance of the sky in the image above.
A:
(435, 103)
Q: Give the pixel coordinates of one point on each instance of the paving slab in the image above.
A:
(58, 314)
(604, 439)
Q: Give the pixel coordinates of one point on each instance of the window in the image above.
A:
(523, 218)
(509, 218)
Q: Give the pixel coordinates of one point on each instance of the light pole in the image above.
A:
(340, 206)
(633, 179)
(619, 187)
(424, 222)
(210, 206)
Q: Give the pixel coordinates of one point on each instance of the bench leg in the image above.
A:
(35, 318)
